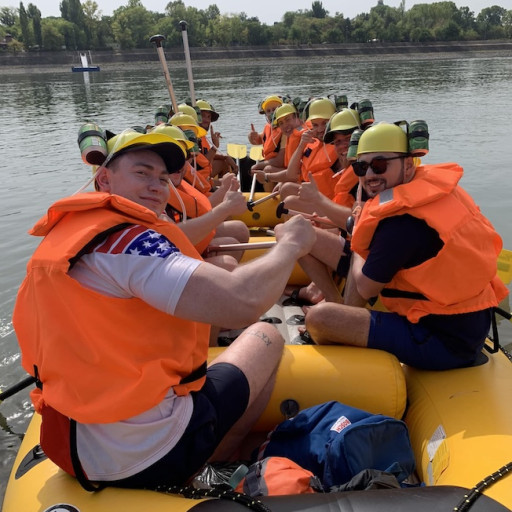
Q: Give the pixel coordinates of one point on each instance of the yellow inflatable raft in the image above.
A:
(460, 424)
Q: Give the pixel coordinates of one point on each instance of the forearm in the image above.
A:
(198, 228)
(238, 298)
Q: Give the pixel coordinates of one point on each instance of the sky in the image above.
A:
(267, 11)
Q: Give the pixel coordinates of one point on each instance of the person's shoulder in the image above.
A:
(137, 240)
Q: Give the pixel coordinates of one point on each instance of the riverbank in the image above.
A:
(108, 59)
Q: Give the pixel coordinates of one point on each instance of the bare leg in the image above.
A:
(257, 352)
(329, 323)
(234, 229)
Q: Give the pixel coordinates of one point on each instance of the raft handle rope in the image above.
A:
(470, 497)
(495, 334)
(222, 493)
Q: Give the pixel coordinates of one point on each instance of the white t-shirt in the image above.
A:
(135, 262)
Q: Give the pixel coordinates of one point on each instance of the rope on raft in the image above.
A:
(469, 498)
(218, 492)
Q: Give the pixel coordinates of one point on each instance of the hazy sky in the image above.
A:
(267, 11)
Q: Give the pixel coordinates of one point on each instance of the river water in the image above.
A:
(467, 104)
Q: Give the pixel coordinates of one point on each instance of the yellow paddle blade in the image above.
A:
(237, 151)
(505, 266)
(256, 153)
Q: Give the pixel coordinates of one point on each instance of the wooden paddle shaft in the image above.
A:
(184, 34)
(241, 247)
(158, 42)
(263, 199)
(314, 218)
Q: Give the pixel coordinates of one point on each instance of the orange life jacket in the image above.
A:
(343, 190)
(461, 278)
(204, 166)
(196, 204)
(292, 142)
(197, 180)
(318, 159)
(271, 141)
(101, 359)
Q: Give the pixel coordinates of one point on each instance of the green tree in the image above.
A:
(52, 34)
(26, 33)
(8, 16)
(317, 10)
(132, 25)
(489, 22)
(35, 15)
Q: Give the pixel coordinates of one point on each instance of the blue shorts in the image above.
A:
(416, 344)
(218, 405)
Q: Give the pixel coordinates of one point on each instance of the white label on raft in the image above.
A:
(437, 455)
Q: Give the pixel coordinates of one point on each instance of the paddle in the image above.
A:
(184, 34)
(241, 247)
(237, 151)
(282, 210)
(252, 204)
(256, 153)
(27, 381)
(157, 39)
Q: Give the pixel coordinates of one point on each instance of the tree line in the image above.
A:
(81, 26)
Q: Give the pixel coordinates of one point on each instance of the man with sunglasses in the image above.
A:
(422, 245)
(113, 321)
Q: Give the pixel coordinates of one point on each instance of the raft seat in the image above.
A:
(308, 375)
(263, 214)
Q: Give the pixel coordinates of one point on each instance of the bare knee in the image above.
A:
(317, 319)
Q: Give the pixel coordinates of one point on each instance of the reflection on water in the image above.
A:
(466, 103)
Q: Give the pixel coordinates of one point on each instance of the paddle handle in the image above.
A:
(282, 210)
(25, 383)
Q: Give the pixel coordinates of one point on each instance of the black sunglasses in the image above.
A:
(378, 165)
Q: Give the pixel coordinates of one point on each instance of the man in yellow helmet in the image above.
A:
(113, 320)
(221, 163)
(422, 245)
(270, 136)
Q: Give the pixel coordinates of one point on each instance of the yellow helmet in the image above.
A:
(187, 109)
(204, 105)
(345, 121)
(319, 108)
(185, 121)
(169, 149)
(270, 99)
(284, 110)
(175, 133)
(383, 138)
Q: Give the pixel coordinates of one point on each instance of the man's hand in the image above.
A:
(298, 233)
(308, 190)
(254, 137)
(215, 136)
(235, 202)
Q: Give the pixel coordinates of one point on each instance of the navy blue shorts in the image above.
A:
(416, 344)
(217, 407)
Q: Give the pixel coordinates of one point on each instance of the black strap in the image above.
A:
(75, 461)
(196, 374)
(401, 294)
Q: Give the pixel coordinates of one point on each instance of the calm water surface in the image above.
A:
(466, 103)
